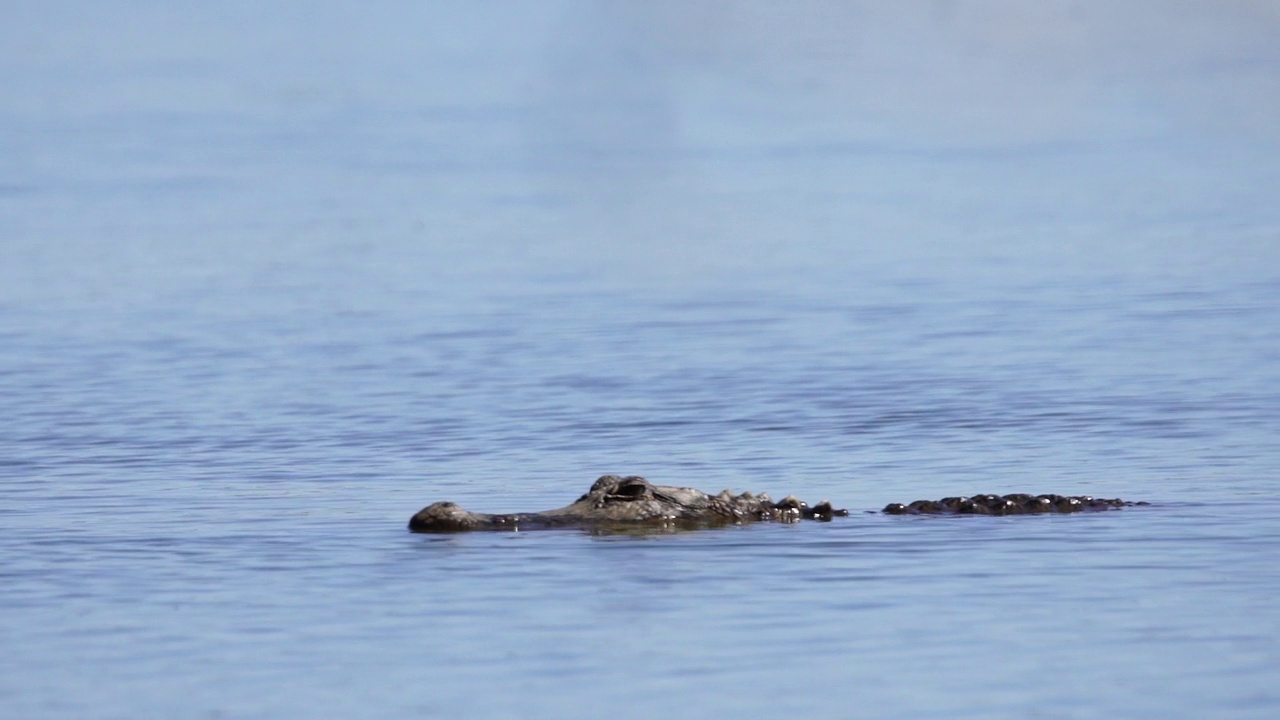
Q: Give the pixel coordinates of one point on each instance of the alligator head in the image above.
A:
(614, 500)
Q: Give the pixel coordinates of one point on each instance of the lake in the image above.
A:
(274, 279)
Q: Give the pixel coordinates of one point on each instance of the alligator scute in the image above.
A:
(1013, 504)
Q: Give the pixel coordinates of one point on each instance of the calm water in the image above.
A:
(273, 280)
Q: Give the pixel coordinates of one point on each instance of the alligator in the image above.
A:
(615, 502)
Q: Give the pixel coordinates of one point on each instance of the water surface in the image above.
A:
(273, 280)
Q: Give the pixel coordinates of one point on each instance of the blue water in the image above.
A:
(272, 280)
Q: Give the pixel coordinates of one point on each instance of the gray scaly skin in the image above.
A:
(616, 502)
(624, 501)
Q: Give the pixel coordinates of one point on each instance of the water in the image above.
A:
(273, 280)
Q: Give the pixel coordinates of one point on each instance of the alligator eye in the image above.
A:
(631, 490)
